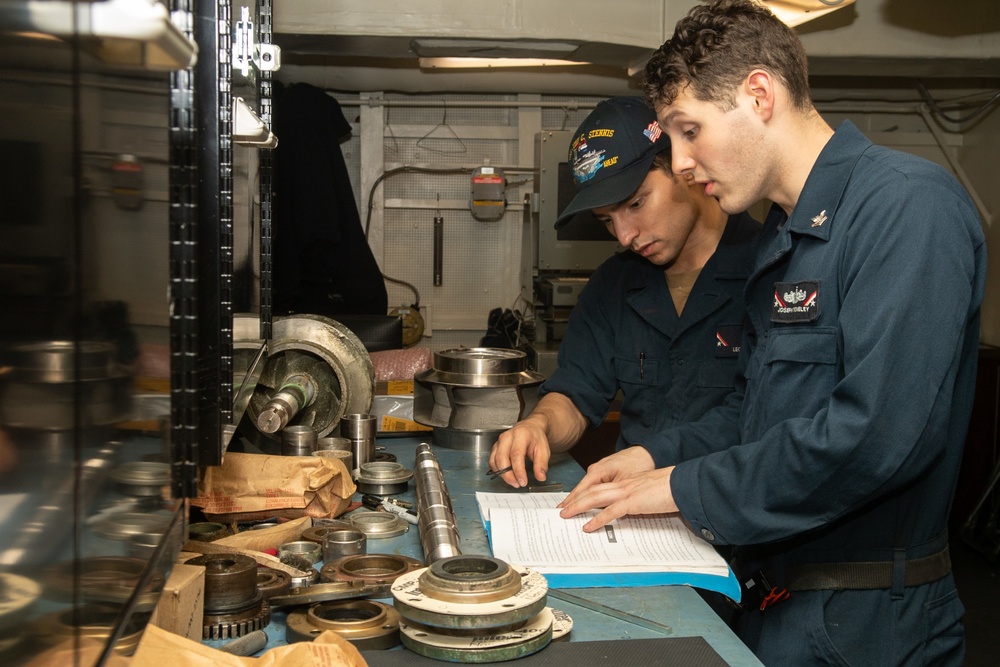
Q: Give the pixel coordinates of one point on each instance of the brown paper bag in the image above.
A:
(250, 486)
(159, 647)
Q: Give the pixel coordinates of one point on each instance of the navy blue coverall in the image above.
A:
(859, 385)
(624, 333)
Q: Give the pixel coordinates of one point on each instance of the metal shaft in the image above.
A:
(296, 392)
(436, 519)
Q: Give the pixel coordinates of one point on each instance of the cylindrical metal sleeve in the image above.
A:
(436, 519)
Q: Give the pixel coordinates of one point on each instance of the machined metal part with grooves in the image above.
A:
(316, 372)
(448, 601)
(383, 478)
(368, 624)
(435, 516)
(233, 604)
(472, 395)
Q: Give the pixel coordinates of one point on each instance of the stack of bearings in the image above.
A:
(476, 609)
(473, 395)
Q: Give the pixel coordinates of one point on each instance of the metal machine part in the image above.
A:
(246, 645)
(304, 350)
(142, 478)
(95, 621)
(472, 395)
(368, 624)
(383, 478)
(62, 385)
(108, 579)
(318, 532)
(360, 429)
(233, 604)
(126, 524)
(298, 440)
(207, 531)
(476, 613)
(470, 579)
(377, 525)
(308, 550)
(339, 590)
(271, 582)
(340, 543)
(435, 516)
(532, 636)
(310, 574)
(377, 570)
(297, 392)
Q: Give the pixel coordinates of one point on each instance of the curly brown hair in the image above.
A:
(716, 45)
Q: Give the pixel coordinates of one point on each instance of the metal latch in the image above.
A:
(266, 57)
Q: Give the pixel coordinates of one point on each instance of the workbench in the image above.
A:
(598, 613)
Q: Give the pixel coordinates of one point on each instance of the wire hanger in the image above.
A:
(444, 123)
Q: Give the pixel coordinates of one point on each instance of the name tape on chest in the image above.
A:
(796, 302)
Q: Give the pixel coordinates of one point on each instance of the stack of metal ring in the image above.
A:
(476, 609)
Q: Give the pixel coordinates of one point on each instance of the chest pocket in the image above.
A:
(632, 371)
(796, 376)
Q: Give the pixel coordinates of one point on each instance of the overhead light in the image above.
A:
(494, 63)
(424, 47)
(796, 12)
(128, 33)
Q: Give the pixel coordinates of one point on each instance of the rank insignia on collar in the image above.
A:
(819, 219)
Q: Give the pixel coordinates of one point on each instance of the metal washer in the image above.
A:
(368, 624)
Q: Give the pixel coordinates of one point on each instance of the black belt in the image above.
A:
(865, 575)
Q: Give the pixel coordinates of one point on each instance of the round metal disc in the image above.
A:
(377, 570)
(531, 637)
(367, 624)
(376, 525)
(414, 605)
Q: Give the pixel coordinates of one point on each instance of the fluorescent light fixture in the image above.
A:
(796, 12)
(494, 63)
(425, 47)
(129, 33)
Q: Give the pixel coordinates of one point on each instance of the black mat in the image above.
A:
(681, 651)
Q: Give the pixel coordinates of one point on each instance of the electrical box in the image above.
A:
(489, 194)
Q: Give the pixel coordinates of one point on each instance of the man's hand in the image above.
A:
(623, 483)
(526, 439)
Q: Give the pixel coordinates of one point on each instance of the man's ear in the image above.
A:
(760, 86)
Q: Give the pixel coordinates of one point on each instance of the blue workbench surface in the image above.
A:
(597, 613)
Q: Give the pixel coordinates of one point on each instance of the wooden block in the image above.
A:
(181, 606)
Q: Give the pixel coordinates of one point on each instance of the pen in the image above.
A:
(642, 363)
(494, 474)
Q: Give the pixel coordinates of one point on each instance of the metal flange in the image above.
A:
(368, 624)
(318, 533)
(271, 582)
(497, 615)
(470, 579)
(383, 478)
(379, 570)
(534, 635)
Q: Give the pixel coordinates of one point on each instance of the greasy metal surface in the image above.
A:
(230, 582)
(367, 624)
(481, 361)
(236, 624)
(207, 531)
(271, 582)
(470, 579)
(61, 361)
(316, 346)
(378, 570)
(307, 549)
